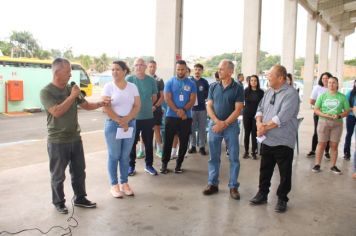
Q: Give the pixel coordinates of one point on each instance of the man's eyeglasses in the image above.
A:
(273, 99)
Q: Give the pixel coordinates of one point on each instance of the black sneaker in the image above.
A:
(316, 169)
(163, 169)
(192, 150)
(335, 170)
(258, 199)
(327, 156)
(202, 151)
(254, 156)
(84, 202)
(347, 157)
(311, 154)
(246, 156)
(178, 170)
(61, 208)
(281, 206)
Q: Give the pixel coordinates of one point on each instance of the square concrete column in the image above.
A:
(251, 36)
(309, 63)
(340, 61)
(168, 46)
(333, 56)
(289, 34)
(324, 51)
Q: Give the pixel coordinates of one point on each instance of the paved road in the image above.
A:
(33, 127)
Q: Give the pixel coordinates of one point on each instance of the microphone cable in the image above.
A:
(68, 229)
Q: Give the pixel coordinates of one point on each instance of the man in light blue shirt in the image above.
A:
(179, 94)
(277, 127)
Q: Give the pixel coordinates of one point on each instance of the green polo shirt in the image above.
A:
(146, 88)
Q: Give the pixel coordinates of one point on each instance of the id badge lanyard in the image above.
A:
(181, 96)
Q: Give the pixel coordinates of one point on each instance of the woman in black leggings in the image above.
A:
(253, 96)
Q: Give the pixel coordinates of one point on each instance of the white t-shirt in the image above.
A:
(317, 91)
(122, 100)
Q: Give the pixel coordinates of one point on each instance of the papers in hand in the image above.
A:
(121, 134)
(261, 138)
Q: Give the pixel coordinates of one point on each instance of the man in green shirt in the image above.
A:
(147, 89)
(64, 145)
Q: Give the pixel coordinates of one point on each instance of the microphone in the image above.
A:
(81, 97)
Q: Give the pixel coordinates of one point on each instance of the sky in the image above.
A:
(124, 28)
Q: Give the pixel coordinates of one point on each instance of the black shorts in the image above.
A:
(157, 116)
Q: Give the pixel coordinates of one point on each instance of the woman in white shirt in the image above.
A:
(125, 104)
(319, 89)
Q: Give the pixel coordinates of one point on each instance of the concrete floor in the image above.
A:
(320, 204)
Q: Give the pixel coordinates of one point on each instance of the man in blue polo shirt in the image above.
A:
(225, 102)
(179, 94)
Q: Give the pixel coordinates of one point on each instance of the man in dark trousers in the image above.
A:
(277, 127)
(64, 145)
(179, 94)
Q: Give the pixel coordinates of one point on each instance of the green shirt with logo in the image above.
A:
(63, 129)
(332, 104)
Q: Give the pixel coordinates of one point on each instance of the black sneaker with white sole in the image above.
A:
(84, 202)
(316, 169)
(335, 170)
(61, 208)
(311, 154)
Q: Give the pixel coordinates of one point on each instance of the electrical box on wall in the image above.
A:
(15, 90)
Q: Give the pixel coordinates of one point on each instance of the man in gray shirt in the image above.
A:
(277, 128)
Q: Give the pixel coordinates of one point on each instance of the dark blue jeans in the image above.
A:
(350, 126)
(60, 156)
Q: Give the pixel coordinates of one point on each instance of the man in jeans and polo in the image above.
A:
(225, 102)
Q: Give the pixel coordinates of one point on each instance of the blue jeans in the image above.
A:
(350, 126)
(232, 141)
(118, 150)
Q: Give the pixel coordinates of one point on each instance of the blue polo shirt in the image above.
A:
(224, 99)
(202, 93)
(180, 89)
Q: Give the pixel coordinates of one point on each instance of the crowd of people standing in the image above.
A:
(133, 104)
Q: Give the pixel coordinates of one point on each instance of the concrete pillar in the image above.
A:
(340, 61)
(324, 51)
(333, 56)
(168, 45)
(309, 59)
(251, 36)
(289, 34)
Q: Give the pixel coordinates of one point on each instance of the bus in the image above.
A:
(34, 75)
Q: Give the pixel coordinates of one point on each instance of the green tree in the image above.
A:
(68, 54)
(5, 48)
(101, 63)
(85, 61)
(266, 61)
(24, 43)
(56, 53)
(351, 62)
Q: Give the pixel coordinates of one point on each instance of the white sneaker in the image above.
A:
(115, 191)
(125, 188)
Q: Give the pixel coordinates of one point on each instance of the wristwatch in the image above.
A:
(339, 116)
